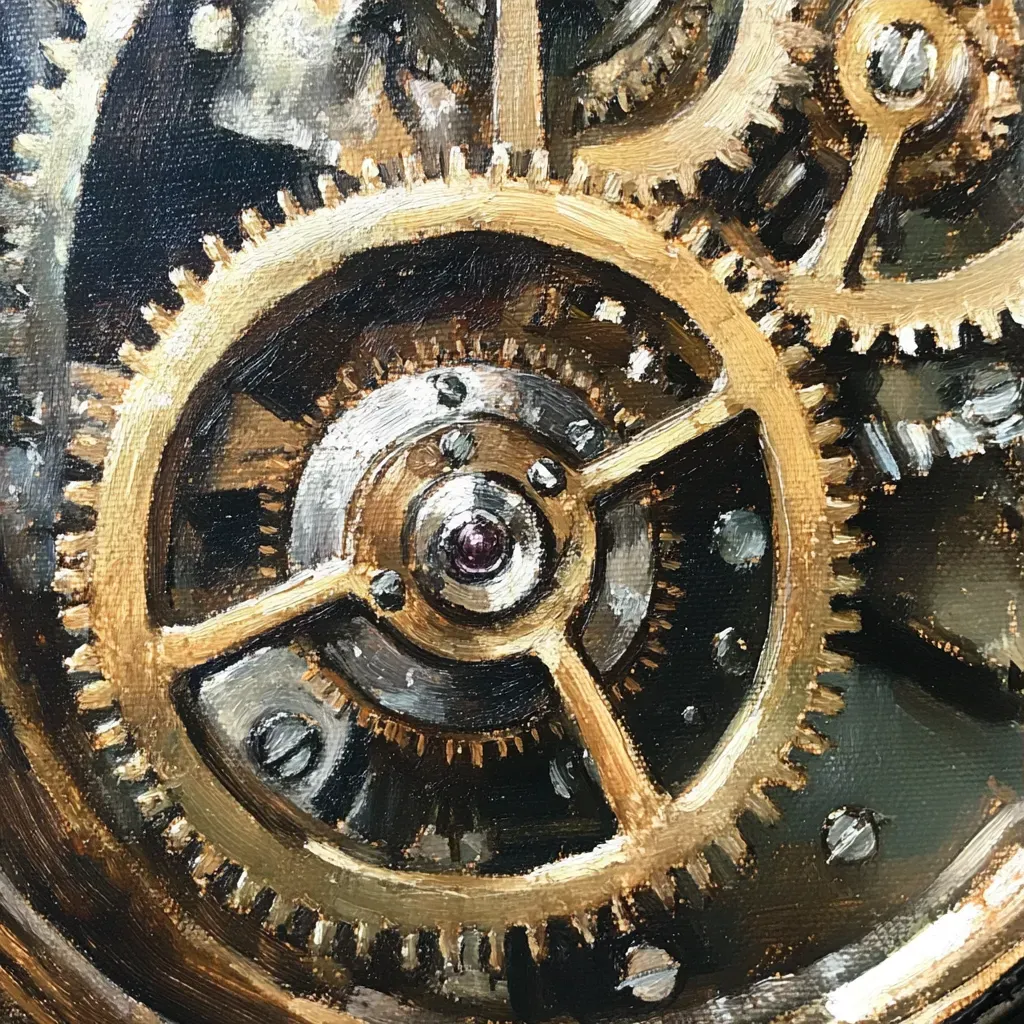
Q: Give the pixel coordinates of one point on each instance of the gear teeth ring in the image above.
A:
(318, 928)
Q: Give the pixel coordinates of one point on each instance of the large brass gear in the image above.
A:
(967, 98)
(126, 667)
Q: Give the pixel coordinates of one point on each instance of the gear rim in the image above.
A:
(583, 224)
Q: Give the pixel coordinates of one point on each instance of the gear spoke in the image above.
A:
(846, 224)
(654, 443)
(184, 647)
(518, 79)
(627, 787)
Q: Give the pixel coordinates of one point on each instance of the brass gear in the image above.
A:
(978, 131)
(971, 87)
(125, 668)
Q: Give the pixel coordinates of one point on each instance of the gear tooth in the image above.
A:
(44, 103)
(906, 338)
(794, 357)
(620, 913)
(789, 775)
(827, 432)
(664, 887)
(290, 206)
(536, 938)
(134, 768)
(83, 659)
(72, 548)
(767, 119)
(82, 492)
(106, 382)
(154, 801)
(698, 868)
(278, 915)
(823, 700)
(947, 336)
(179, 834)
(95, 695)
(642, 192)
(725, 266)
(831, 661)
(585, 926)
(837, 470)
(31, 145)
(813, 397)
(369, 176)
(537, 172)
(90, 446)
(72, 584)
(134, 358)
(496, 943)
(686, 179)
(363, 935)
(410, 951)
(847, 542)
(457, 172)
(412, 170)
(209, 861)
(328, 189)
(76, 618)
(840, 509)
(61, 53)
(187, 284)
(578, 177)
(846, 584)
(846, 621)
(499, 169)
(611, 191)
(254, 226)
(160, 320)
(733, 845)
(321, 940)
(734, 155)
(810, 740)
(109, 734)
(216, 250)
(762, 807)
(821, 327)
(864, 337)
(242, 898)
(988, 322)
(771, 321)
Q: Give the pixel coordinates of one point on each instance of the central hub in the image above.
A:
(479, 547)
(476, 543)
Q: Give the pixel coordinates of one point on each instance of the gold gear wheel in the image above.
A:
(975, 51)
(127, 665)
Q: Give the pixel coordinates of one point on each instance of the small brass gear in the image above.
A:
(126, 667)
(936, 134)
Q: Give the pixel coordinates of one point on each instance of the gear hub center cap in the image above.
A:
(478, 548)
(477, 544)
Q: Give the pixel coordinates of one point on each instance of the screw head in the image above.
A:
(850, 835)
(546, 477)
(388, 590)
(457, 446)
(902, 60)
(286, 745)
(451, 389)
(583, 436)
